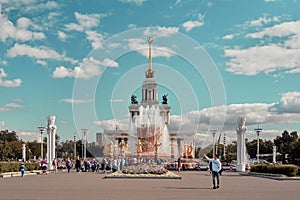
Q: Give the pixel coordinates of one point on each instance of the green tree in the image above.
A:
(285, 144)
(295, 154)
(265, 147)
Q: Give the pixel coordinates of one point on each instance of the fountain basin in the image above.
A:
(144, 171)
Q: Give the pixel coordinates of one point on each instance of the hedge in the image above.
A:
(15, 166)
(288, 170)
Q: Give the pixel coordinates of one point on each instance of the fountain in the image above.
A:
(150, 133)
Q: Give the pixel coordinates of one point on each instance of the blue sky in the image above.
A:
(216, 60)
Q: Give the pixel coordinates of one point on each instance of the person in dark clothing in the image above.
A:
(68, 164)
(77, 164)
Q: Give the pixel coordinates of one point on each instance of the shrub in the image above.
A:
(289, 170)
(15, 166)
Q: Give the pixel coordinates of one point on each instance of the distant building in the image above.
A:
(99, 139)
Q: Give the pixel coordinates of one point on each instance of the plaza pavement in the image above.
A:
(193, 185)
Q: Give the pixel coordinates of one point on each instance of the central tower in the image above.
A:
(150, 119)
(150, 87)
(150, 93)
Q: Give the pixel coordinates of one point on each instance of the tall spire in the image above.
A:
(149, 72)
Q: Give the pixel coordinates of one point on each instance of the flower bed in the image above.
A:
(144, 171)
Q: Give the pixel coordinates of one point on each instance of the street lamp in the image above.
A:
(42, 129)
(257, 130)
(214, 134)
(224, 143)
(84, 132)
(74, 146)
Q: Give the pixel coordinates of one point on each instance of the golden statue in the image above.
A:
(139, 147)
(190, 148)
(123, 146)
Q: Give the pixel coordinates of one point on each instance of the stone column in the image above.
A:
(51, 132)
(241, 147)
(24, 152)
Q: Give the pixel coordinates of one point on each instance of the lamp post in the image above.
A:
(42, 129)
(224, 143)
(74, 146)
(84, 132)
(257, 130)
(214, 134)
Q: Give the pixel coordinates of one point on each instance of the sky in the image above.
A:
(216, 59)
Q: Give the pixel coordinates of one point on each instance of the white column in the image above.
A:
(51, 132)
(48, 146)
(274, 154)
(24, 152)
(241, 147)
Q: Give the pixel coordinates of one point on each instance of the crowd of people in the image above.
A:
(105, 165)
(112, 165)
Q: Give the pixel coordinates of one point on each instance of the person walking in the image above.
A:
(22, 169)
(54, 164)
(68, 164)
(179, 164)
(77, 164)
(216, 167)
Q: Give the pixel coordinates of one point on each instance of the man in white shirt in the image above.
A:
(216, 167)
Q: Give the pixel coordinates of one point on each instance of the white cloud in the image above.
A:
(88, 21)
(74, 27)
(228, 37)
(113, 45)
(3, 62)
(131, 26)
(263, 20)
(76, 101)
(20, 32)
(28, 135)
(268, 58)
(90, 67)
(40, 52)
(122, 124)
(62, 35)
(23, 23)
(161, 31)
(95, 38)
(141, 46)
(8, 83)
(286, 111)
(13, 105)
(279, 30)
(293, 71)
(289, 103)
(85, 22)
(191, 24)
(2, 125)
(136, 2)
(29, 6)
(117, 100)
(10, 107)
(41, 62)
(38, 7)
(4, 109)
